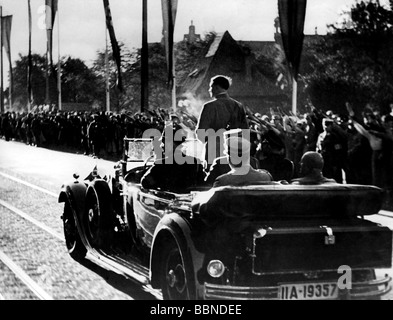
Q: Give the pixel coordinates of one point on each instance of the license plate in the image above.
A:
(308, 291)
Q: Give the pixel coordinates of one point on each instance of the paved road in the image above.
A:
(48, 167)
(39, 253)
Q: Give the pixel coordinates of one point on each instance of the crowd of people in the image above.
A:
(355, 150)
(98, 134)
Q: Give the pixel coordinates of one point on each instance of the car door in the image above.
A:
(149, 208)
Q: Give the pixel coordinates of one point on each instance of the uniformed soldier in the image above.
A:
(220, 114)
(170, 174)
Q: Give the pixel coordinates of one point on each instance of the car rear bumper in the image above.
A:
(360, 290)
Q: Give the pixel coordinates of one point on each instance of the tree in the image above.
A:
(78, 82)
(354, 62)
(19, 94)
(119, 100)
(159, 93)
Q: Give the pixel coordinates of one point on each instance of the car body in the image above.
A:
(260, 241)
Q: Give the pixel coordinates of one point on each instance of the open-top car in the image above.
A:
(259, 241)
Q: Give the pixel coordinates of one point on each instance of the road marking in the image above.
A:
(32, 220)
(29, 282)
(385, 213)
(29, 185)
(95, 257)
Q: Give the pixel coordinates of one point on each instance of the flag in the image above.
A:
(51, 9)
(169, 9)
(6, 23)
(115, 45)
(292, 14)
(30, 64)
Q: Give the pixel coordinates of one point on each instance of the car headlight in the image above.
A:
(215, 268)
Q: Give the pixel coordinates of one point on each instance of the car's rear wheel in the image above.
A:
(173, 276)
(98, 219)
(73, 240)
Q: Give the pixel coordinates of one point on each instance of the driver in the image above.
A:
(175, 171)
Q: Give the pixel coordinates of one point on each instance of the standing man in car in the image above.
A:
(218, 115)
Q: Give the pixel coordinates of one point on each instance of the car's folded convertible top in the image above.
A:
(275, 201)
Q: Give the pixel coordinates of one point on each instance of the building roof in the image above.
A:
(266, 48)
(226, 56)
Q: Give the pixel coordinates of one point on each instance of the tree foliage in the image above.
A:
(20, 94)
(354, 62)
(78, 82)
(159, 93)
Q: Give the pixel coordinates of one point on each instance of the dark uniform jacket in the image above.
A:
(252, 176)
(221, 113)
(221, 166)
(174, 177)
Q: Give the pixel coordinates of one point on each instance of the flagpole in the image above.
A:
(1, 62)
(10, 85)
(49, 26)
(169, 16)
(172, 31)
(29, 62)
(174, 107)
(108, 107)
(47, 74)
(144, 59)
(7, 48)
(294, 96)
(59, 60)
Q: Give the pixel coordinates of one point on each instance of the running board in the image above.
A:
(131, 270)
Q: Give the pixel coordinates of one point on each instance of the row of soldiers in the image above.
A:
(92, 133)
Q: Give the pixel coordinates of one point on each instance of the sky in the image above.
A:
(80, 24)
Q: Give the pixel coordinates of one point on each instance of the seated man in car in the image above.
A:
(311, 166)
(241, 173)
(221, 165)
(175, 171)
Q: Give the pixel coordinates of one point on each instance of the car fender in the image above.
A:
(75, 193)
(175, 226)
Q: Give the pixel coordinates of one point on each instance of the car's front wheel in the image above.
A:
(73, 240)
(175, 283)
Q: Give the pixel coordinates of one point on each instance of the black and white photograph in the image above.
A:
(219, 152)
